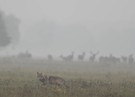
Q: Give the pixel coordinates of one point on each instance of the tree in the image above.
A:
(4, 38)
(12, 28)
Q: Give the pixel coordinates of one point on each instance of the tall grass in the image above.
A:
(18, 79)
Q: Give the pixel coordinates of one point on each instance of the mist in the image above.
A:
(67, 48)
(60, 27)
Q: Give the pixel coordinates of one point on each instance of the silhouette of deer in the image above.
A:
(124, 59)
(25, 55)
(113, 60)
(68, 58)
(93, 56)
(130, 59)
(50, 57)
(81, 56)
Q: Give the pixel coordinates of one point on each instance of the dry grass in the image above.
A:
(20, 80)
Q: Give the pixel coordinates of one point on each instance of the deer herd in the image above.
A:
(111, 59)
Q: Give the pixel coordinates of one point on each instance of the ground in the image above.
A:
(83, 79)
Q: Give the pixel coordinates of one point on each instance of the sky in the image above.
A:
(62, 26)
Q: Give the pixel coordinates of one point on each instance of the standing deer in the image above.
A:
(130, 59)
(81, 56)
(50, 57)
(93, 56)
(124, 59)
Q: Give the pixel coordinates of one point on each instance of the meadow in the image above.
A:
(84, 79)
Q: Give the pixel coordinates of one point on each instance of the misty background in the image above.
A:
(62, 26)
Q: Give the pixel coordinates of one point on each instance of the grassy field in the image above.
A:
(18, 79)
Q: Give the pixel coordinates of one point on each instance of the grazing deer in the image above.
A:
(68, 58)
(81, 56)
(63, 58)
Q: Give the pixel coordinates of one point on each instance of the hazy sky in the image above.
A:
(62, 26)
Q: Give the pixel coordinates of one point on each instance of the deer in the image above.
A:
(50, 57)
(130, 59)
(124, 59)
(68, 58)
(81, 56)
(93, 56)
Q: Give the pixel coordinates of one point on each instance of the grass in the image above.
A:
(18, 79)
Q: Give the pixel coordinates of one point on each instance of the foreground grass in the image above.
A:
(21, 81)
(17, 84)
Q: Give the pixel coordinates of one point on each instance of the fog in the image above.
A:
(61, 26)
